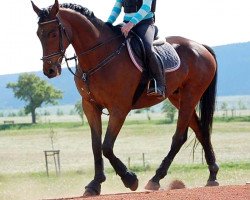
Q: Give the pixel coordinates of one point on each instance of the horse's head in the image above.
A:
(53, 37)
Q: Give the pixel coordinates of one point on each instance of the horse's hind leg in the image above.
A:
(186, 108)
(206, 143)
(208, 149)
(116, 121)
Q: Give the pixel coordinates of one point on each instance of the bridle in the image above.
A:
(61, 52)
(84, 74)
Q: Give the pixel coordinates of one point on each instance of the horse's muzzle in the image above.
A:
(52, 71)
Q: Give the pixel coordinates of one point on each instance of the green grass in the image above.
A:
(27, 126)
(22, 166)
(232, 119)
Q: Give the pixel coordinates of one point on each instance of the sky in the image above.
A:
(211, 22)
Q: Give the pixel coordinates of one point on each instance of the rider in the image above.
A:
(140, 17)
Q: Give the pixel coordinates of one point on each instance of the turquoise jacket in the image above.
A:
(143, 13)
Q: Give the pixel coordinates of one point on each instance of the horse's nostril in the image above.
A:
(51, 71)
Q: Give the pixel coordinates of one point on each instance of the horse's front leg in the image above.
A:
(94, 119)
(116, 121)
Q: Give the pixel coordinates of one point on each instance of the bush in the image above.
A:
(21, 113)
(12, 114)
(59, 112)
(46, 113)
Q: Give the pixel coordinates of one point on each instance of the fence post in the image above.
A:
(129, 162)
(143, 160)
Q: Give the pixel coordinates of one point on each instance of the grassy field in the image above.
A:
(22, 165)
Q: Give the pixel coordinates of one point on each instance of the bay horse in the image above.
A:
(106, 78)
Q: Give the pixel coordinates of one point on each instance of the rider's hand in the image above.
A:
(126, 28)
(109, 24)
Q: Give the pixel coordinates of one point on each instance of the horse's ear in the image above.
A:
(54, 9)
(35, 8)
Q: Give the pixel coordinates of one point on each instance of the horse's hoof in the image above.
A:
(130, 181)
(90, 192)
(212, 183)
(134, 186)
(92, 189)
(151, 185)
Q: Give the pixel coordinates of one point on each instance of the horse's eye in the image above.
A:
(52, 34)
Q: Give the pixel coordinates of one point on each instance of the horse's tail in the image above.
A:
(207, 102)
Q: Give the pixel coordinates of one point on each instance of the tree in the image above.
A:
(241, 105)
(21, 113)
(169, 109)
(59, 112)
(224, 107)
(79, 110)
(35, 91)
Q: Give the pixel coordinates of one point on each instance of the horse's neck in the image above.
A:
(85, 34)
(79, 27)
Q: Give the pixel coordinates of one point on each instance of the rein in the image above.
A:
(85, 74)
(99, 65)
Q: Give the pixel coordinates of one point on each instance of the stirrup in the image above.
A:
(153, 90)
(152, 87)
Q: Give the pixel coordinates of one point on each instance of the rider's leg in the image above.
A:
(158, 88)
(146, 31)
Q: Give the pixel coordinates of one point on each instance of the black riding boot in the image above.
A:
(156, 86)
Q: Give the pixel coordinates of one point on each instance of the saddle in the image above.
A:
(164, 51)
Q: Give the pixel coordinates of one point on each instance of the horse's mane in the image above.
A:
(44, 14)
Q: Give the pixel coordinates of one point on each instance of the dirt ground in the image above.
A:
(240, 192)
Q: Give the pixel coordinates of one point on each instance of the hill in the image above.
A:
(234, 69)
(233, 77)
(65, 83)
